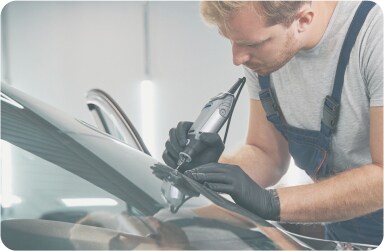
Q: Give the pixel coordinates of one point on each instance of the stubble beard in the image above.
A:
(291, 48)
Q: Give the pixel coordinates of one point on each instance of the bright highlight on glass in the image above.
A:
(147, 96)
(10, 101)
(9, 201)
(7, 198)
(86, 202)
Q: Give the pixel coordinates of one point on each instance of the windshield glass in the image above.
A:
(78, 164)
(37, 188)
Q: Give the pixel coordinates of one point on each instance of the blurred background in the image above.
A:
(157, 59)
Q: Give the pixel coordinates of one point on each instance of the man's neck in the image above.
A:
(323, 14)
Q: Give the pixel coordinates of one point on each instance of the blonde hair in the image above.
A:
(275, 12)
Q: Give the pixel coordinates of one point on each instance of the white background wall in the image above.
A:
(57, 51)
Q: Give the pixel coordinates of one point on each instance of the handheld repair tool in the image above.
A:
(211, 118)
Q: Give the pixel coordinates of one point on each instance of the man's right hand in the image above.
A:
(177, 142)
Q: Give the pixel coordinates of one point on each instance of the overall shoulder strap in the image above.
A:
(268, 99)
(264, 82)
(332, 103)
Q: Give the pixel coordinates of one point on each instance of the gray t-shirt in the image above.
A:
(302, 84)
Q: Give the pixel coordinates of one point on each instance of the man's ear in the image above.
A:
(304, 18)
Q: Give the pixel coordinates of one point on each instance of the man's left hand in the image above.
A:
(232, 180)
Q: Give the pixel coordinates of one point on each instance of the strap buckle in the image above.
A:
(269, 102)
(330, 112)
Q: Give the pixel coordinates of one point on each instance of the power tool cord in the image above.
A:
(233, 108)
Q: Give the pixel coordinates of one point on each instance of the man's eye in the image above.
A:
(254, 45)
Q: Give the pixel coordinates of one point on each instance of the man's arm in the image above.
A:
(347, 195)
(264, 157)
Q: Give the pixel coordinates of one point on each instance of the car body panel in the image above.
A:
(111, 119)
(55, 157)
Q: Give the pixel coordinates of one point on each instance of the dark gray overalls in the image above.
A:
(311, 149)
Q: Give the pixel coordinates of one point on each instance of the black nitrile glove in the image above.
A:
(232, 180)
(213, 147)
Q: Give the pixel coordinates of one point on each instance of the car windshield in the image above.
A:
(75, 162)
(65, 180)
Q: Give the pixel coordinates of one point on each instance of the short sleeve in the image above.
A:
(372, 57)
(252, 83)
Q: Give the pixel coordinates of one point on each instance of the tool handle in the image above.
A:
(210, 120)
(213, 115)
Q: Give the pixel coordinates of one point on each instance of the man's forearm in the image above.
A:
(260, 166)
(344, 196)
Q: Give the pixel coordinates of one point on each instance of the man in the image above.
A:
(305, 105)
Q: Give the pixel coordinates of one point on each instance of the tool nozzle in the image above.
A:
(236, 85)
(183, 157)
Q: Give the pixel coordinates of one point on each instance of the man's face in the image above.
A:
(262, 49)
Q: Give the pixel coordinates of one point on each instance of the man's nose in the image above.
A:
(240, 55)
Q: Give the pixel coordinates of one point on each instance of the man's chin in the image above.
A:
(263, 72)
(267, 70)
